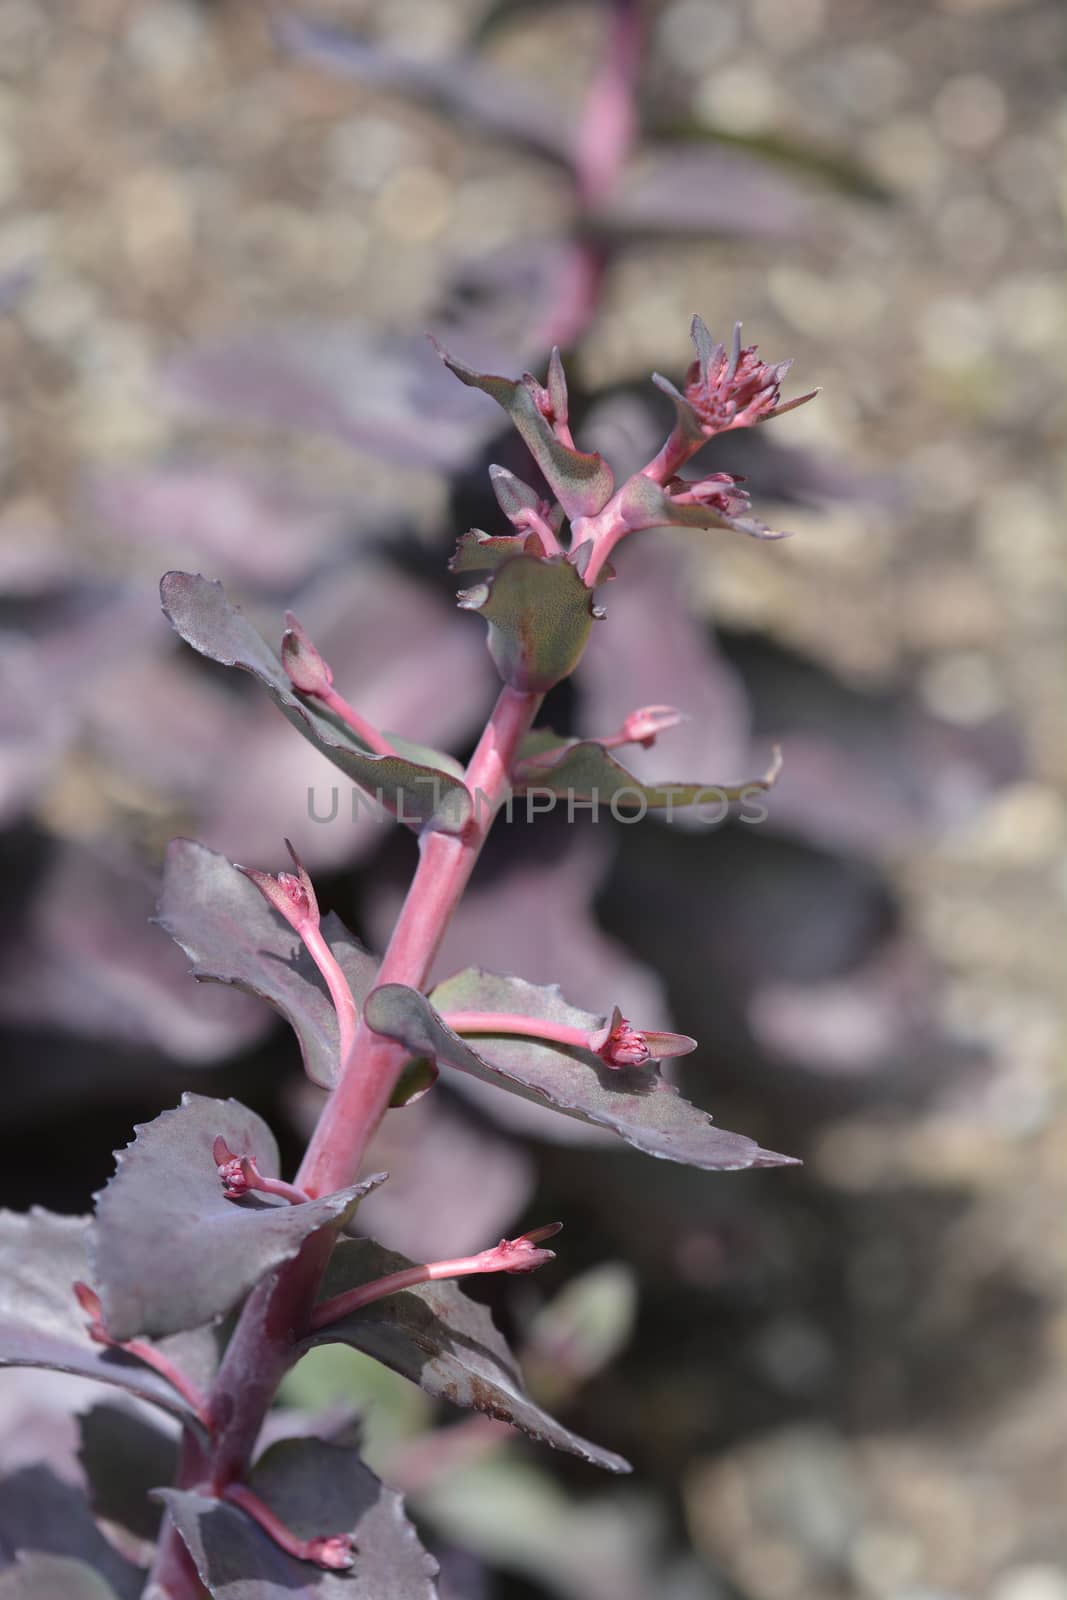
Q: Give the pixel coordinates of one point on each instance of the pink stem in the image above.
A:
(336, 983)
(167, 1370)
(288, 1191)
(609, 121)
(369, 1076)
(351, 718)
(529, 1027)
(334, 1551)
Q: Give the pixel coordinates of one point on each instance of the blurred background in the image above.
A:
(223, 232)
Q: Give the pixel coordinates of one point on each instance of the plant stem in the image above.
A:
(527, 1027)
(446, 861)
(359, 725)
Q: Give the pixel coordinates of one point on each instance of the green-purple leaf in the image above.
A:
(48, 1523)
(582, 768)
(417, 792)
(445, 1342)
(125, 1456)
(169, 1250)
(231, 935)
(645, 504)
(481, 552)
(581, 481)
(539, 614)
(635, 1103)
(42, 1325)
(314, 1488)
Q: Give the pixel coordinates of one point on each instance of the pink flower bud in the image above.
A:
(719, 491)
(521, 1254)
(642, 726)
(232, 1170)
(336, 1551)
(307, 670)
(734, 390)
(89, 1301)
(624, 1045)
(290, 893)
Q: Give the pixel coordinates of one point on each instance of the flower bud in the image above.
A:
(307, 670)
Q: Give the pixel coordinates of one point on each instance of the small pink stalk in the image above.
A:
(335, 1551)
(311, 675)
(643, 727)
(240, 1175)
(510, 1255)
(616, 1043)
(96, 1327)
(294, 897)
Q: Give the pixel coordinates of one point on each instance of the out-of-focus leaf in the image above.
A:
(460, 85)
(125, 1456)
(629, 664)
(443, 1341)
(582, 1329)
(198, 610)
(41, 1516)
(231, 935)
(84, 965)
(41, 1577)
(582, 482)
(540, 614)
(42, 1325)
(635, 1103)
(167, 1188)
(453, 1183)
(256, 530)
(581, 769)
(379, 392)
(834, 166)
(683, 190)
(315, 1489)
(517, 1518)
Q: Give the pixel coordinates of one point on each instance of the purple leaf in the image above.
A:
(636, 1103)
(41, 1516)
(581, 482)
(42, 1325)
(167, 1187)
(316, 1489)
(258, 530)
(682, 190)
(43, 1577)
(583, 770)
(379, 392)
(125, 1455)
(453, 1183)
(199, 611)
(230, 934)
(83, 963)
(445, 1342)
(540, 614)
(459, 85)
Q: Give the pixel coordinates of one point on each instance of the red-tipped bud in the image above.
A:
(624, 1046)
(89, 1301)
(521, 1254)
(290, 893)
(234, 1171)
(551, 399)
(719, 492)
(336, 1552)
(734, 389)
(644, 725)
(307, 670)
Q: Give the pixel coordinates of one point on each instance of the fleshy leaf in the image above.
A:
(230, 934)
(125, 1456)
(481, 552)
(540, 614)
(635, 1103)
(584, 770)
(42, 1325)
(169, 1250)
(48, 1522)
(581, 481)
(445, 1342)
(419, 794)
(647, 505)
(314, 1488)
(517, 499)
